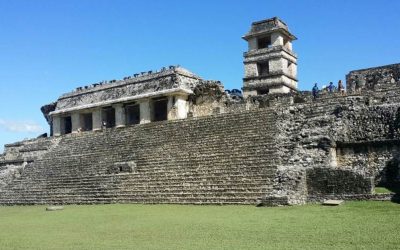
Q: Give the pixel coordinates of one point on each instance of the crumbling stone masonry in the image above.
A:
(171, 137)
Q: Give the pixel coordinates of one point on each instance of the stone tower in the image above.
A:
(270, 64)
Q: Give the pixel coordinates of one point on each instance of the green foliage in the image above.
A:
(352, 225)
(382, 190)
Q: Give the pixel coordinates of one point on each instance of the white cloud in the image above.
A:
(21, 126)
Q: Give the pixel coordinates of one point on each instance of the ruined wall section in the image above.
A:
(374, 79)
(370, 144)
(21, 155)
(210, 98)
(318, 141)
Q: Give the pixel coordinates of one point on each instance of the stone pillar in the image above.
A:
(76, 122)
(253, 44)
(56, 125)
(97, 121)
(277, 65)
(145, 111)
(277, 39)
(119, 115)
(62, 125)
(170, 108)
(250, 70)
(182, 107)
(289, 46)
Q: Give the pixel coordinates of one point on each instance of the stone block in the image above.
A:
(332, 202)
(54, 208)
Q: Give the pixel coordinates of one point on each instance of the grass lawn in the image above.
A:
(354, 225)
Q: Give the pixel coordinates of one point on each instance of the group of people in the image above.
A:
(330, 88)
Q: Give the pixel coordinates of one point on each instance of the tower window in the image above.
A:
(263, 68)
(264, 42)
(262, 92)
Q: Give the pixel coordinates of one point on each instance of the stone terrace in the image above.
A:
(195, 161)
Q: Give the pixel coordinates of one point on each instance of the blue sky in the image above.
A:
(50, 47)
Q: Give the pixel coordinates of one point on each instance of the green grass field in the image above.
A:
(354, 225)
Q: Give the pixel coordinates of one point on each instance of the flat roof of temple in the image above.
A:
(134, 79)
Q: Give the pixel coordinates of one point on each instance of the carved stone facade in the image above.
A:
(141, 98)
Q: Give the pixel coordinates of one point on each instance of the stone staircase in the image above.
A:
(222, 159)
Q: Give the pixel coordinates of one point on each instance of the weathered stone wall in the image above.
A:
(209, 98)
(371, 159)
(378, 78)
(19, 155)
(327, 181)
(312, 136)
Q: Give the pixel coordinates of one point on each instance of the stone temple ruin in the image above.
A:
(172, 137)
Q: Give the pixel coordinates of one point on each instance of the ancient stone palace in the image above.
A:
(169, 136)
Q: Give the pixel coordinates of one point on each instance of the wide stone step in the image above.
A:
(198, 171)
(222, 185)
(140, 197)
(191, 201)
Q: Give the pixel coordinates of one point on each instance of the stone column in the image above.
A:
(76, 122)
(276, 39)
(170, 108)
(145, 111)
(97, 121)
(182, 107)
(253, 44)
(288, 45)
(119, 115)
(62, 125)
(56, 125)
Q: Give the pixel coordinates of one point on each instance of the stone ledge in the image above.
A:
(352, 197)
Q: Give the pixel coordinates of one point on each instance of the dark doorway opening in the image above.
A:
(87, 122)
(132, 114)
(160, 112)
(67, 125)
(109, 117)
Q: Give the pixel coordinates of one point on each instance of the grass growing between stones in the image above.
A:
(361, 225)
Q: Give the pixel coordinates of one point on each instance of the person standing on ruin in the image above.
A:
(315, 91)
(331, 87)
(340, 87)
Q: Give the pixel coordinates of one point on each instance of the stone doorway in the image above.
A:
(67, 124)
(132, 114)
(108, 117)
(160, 109)
(87, 122)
